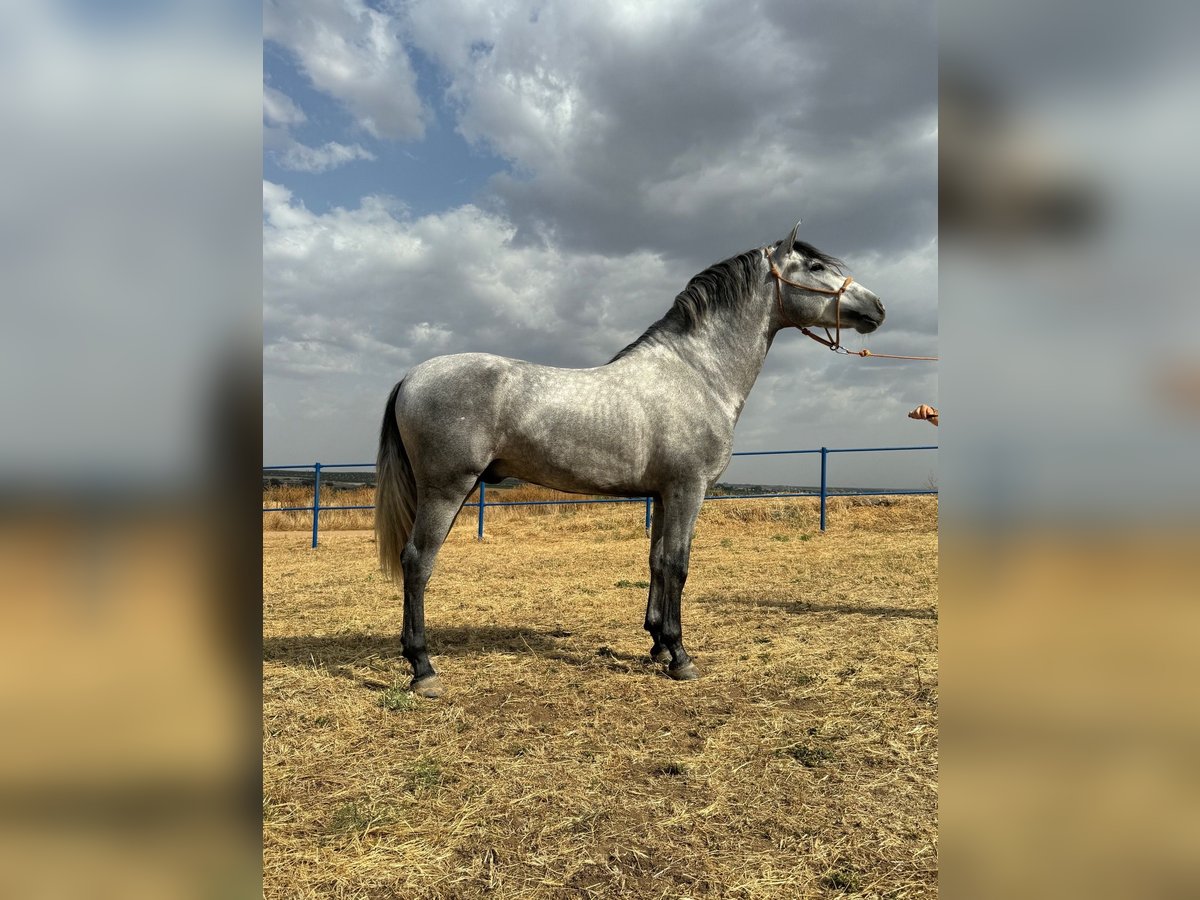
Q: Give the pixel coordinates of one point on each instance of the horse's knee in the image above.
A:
(674, 568)
(656, 555)
(654, 612)
(416, 565)
(409, 556)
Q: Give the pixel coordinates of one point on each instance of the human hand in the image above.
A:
(928, 413)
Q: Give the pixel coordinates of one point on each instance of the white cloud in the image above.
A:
(351, 289)
(352, 53)
(280, 109)
(542, 89)
(280, 113)
(619, 119)
(297, 157)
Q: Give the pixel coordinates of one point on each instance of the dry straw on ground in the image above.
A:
(563, 763)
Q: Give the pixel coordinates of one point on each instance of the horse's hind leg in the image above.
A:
(654, 602)
(435, 514)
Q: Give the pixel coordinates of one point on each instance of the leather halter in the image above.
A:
(832, 341)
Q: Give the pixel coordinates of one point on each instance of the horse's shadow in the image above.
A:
(803, 607)
(342, 654)
(349, 654)
(356, 648)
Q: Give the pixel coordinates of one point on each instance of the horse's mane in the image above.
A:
(721, 286)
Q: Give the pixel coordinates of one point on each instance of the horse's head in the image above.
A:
(813, 288)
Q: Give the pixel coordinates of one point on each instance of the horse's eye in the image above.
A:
(816, 267)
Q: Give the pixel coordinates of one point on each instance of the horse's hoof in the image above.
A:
(430, 687)
(686, 672)
(661, 655)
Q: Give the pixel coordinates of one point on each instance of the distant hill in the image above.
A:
(343, 479)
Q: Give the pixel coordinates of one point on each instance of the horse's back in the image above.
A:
(486, 387)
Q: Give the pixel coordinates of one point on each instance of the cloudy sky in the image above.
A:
(538, 180)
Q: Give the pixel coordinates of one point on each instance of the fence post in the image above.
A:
(824, 484)
(316, 499)
(648, 503)
(482, 489)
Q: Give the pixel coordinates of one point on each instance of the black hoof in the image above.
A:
(430, 687)
(686, 672)
(660, 655)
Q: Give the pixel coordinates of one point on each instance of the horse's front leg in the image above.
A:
(654, 603)
(681, 507)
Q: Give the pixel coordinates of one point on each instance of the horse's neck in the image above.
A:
(728, 349)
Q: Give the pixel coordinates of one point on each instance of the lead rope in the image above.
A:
(832, 341)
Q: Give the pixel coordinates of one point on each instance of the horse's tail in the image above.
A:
(395, 493)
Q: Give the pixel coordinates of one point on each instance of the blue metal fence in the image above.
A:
(481, 504)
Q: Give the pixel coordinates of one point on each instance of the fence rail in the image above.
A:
(481, 504)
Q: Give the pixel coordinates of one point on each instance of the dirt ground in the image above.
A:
(563, 763)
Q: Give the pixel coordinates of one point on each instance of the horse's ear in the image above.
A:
(785, 246)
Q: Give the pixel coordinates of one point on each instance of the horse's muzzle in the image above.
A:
(866, 323)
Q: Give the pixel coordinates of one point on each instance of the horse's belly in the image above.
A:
(587, 467)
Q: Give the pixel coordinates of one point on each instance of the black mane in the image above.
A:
(721, 286)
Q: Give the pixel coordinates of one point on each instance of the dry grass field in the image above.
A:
(563, 763)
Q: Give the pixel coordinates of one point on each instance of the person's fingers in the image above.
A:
(926, 412)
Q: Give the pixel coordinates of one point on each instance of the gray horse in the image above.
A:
(657, 421)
